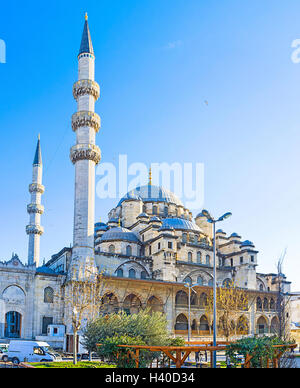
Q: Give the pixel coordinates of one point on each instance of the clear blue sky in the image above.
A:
(157, 62)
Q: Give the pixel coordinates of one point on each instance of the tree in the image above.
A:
(283, 301)
(82, 296)
(230, 302)
(150, 327)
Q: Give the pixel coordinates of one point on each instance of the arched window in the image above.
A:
(181, 298)
(190, 257)
(132, 304)
(272, 304)
(207, 260)
(111, 249)
(154, 209)
(204, 324)
(48, 295)
(275, 326)
(184, 237)
(155, 305)
(266, 304)
(199, 257)
(181, 322)
(128, 250)
(120, 273)
(188, 280)
(261, 287)
(203, 300)
(200, 280)
(262, 326)
(109, 304)
(143, 275)
(258, 304)
(132, 273)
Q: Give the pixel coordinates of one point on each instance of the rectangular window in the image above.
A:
(169, 245)
(158, 246)
(46, 321)
(241, 260)
(252, 259)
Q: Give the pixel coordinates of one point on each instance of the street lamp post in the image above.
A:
(213, 221)
(190, 287)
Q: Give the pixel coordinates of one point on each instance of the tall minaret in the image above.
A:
(35, 209)
(85, 154)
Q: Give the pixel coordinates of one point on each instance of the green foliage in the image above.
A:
(149, 328)
(120, 356)
(67, 365)
(144, 328)
(259, 348)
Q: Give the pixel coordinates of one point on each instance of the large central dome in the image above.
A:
(151, 193)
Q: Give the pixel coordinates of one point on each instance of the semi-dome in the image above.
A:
(151, 193)
(180, 224)
(120, 233)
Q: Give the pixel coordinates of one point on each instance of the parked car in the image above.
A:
(30, 351)
(3, 353)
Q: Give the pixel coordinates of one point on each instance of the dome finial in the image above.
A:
(150, 176)
(119, 222)
(86, 16)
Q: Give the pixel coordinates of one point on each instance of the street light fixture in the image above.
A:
(213, 221)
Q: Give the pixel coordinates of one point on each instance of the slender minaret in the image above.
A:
(85, 154)
(35, 209)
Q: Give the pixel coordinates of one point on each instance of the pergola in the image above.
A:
(178, 354)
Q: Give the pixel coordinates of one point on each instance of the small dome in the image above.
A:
(247, 243)
(220, 231)
(143, 215)
(180, 224)
(100, 226)
(120, 233)
(113, 220)
(155, 219)
(235, 235)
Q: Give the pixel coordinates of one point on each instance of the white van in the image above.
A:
(30, 351)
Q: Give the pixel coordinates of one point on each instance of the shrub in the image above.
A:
(149, 328)
(259, 348)
(121, 356)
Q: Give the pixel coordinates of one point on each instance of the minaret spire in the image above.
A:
(35, 209)
(86, 40)
(85, 154)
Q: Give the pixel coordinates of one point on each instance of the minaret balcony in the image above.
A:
(36, 188)
(35, 208)
(84, 87)
(86, 119)
(34, 229)
(85, 152)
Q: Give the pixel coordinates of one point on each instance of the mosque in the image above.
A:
(150, 249)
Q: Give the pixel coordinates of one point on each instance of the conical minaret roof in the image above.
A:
(86, 41)
(38, 153)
